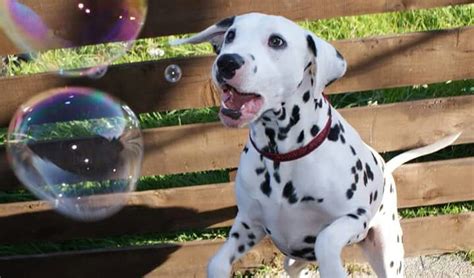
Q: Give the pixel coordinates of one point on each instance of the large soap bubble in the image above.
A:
(36, 26)
(78, 148)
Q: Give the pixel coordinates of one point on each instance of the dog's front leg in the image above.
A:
(243, 236)
(334, 237)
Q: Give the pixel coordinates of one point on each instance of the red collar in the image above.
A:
(298, 153)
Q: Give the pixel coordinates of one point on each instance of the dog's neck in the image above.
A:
(296, 123)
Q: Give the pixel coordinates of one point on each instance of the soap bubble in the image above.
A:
(78, 148)
(173, 73)
(106, 27)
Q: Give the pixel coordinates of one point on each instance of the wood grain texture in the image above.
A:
(422, 236)
(187, 16)
(388, 127)
(213, 206)
(381, 62)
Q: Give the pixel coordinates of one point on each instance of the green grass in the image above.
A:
(184, 236)
(331, 29)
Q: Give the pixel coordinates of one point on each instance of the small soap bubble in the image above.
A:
(173, 73)
(79, 149)
(84, 34)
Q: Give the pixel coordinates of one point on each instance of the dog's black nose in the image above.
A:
(227, 64)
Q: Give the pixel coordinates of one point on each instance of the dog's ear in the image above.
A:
(213, 34)
(330, 64)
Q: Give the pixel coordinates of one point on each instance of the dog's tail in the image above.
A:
(400, 159)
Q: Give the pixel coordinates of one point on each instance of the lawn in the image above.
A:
(332, 29)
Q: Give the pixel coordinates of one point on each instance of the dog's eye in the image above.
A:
(276, 42)
(230, 36)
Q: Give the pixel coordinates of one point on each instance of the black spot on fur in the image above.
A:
(253, 57)
(312, 82)
(276, 165)
(294, 119)
(400, 268)
(353, 187)
(270, 133)
(309, 239)
(320, 200)
(307, 199)
(353, 150)
(393, 217)
(265, 185)
(398, 238)
(299, 84)
(334, 133)
(318, 103)
(283, 115)
(226, 22)
(375, 195)
(381, 207)
(241, 248)
(365, 225)
(375, 159)
(359, 165)
(268, 231)
(351, 215)
(314, 130)
(370, 198)
(246, 226)
(343, 139)
(353, 170)
(312, 45)
(260, 171)
(356, 178)
(370, 174)
(276, 175)
(289, 193)
(251, 236)
(306, 96)
(342, 127)
(302, 252)
(246, 149)
(308, 65)
(391, 188)
(300, 137)
(282, 136)
(365, 178)
(349, 194)
(391, 264)
(235, 235)
(361, 211)
(265, 118)
(251, 243)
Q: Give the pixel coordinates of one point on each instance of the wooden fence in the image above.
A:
(374, 63)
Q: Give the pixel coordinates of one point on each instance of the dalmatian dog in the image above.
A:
(306, 179)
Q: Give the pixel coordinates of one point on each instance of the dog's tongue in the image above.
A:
(236, 100)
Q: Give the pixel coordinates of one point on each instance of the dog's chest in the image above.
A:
(297, 199)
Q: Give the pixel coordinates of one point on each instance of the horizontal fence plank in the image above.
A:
(387, 127)
(187, 16)
(381, 62)
(422, 236)
(197, 207)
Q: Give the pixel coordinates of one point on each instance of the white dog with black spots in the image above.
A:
(306, 179)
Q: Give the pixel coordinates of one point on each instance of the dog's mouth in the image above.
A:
(238, 108)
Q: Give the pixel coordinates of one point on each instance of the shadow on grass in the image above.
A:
(124, 262)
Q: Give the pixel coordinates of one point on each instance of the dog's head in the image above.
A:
(262, 61)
